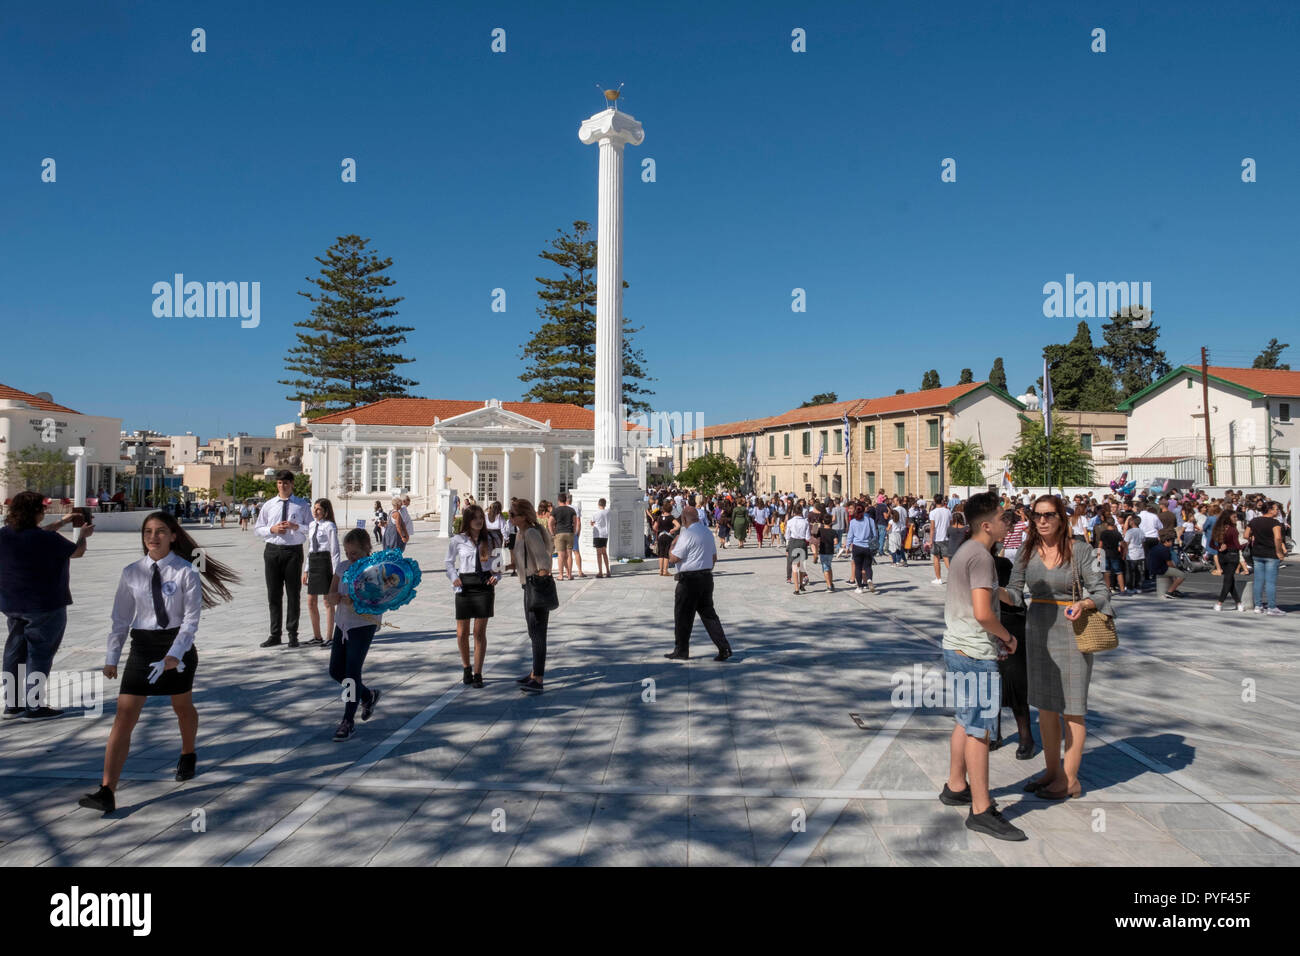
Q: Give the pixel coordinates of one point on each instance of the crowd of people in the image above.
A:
(1018, 569)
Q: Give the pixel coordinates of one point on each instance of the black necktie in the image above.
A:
(159, 608)
(284, 512)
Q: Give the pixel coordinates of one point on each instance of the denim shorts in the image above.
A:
(825, 561)
(974, 689)
(1114, 565)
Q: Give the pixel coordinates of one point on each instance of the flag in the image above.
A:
(821, 451)
(1047, 400)
(845, 420)
(1006, 478)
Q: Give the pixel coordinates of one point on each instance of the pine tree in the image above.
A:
(1269, 357)
(562, 352)
(1130, 351)
(348, 363)
(998, 374)
(967, 377)
(821, 398)
(930, 380)
(1079, 380)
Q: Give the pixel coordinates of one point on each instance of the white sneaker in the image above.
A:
(1241, 607)
(1275, 612)
(1218, 606)
(857, 590)
(937, 581)
(1258, 609)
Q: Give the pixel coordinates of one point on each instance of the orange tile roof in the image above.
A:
(422, 411)
(815, 413)
(1270, 381)
(729, 429)
(13, 394)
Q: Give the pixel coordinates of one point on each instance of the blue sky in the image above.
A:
(775, 170)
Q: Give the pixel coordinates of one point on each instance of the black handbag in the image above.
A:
(540, 593)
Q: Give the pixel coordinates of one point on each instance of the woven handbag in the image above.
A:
(1093, 631)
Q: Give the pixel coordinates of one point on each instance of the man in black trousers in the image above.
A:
(283, 522)
(695, 552)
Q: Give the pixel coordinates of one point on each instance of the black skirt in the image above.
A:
(665, 545)
(148, 647)
(477, 598)
(320, 572)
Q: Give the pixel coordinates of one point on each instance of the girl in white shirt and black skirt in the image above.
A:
(323, 557)
(353, 633)
(474, 568)
(158, 602)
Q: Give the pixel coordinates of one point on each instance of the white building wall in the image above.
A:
(990, 420)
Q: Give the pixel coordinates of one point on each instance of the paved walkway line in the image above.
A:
(801, 845)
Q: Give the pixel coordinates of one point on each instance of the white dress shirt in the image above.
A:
(345, 617)
(695, 548)
(462, 558)
(133, 605)
(600, 523)
(324, 536)
(299, 511)
(797, 527)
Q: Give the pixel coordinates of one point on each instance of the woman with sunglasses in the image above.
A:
(1048, 564)
(474, 568)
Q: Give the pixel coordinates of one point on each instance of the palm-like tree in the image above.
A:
(965, 463)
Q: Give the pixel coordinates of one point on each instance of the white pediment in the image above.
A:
(492, 418)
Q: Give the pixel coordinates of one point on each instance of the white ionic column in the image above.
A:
(473, 480)
(505, 481)
(365, 470)
(537, 476)
(608, 478)
(440, 473)
(392, 466)
(612, 130)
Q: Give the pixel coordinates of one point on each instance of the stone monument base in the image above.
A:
(625, 502)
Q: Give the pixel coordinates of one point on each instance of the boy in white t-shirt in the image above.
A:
(600, 539)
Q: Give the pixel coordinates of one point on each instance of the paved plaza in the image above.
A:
(756, 761)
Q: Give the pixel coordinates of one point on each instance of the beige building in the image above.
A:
(30, 420)
(895, 443)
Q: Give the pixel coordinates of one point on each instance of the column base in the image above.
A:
(625, 502)
(445, 516)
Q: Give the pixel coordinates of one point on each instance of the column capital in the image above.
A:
(611, 126)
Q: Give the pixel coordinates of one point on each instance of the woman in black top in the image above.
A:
(665, 526)
(1014, 670)
(1228, 559)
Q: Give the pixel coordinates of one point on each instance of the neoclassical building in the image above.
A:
(431, 447)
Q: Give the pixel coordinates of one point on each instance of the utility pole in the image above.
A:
(1205, 402)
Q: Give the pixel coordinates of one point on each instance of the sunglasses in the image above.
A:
(1044, 515)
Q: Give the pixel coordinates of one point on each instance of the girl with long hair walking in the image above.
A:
(158, 601)
(323, 557)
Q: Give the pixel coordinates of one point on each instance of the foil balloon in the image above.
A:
(382, 581)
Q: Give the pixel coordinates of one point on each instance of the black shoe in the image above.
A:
(294, 642)
(41, 713)
(316, 641)
(12, 712)
(532, 687)
(1025, 750)
(478, 680)
(185, 767)
(996, 744)
(346, 729)
(723, 654)
(368, 707)
(101, 800)
(950, 799)
(270, 642)
(524, 680)
(992, 823)
(327, 642)
(468, 678)
(674, 656)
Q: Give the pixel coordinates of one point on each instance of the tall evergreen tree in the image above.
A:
(966, 377)
(998, 374)
(1079, 380)
(348, 362)
(1071, 465)
(930, 380)
(1269, 357)
(1130, 351)
(562, 352)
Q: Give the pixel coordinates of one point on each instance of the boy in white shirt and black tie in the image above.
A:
(283, 523)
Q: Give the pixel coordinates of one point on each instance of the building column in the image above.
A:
(440, 471)
(473, 480)
(505, 481)
(365, 470)
(392, 474)
(537, 476)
